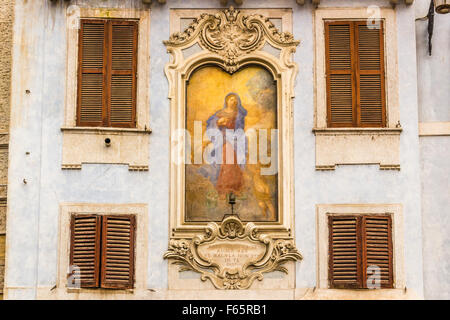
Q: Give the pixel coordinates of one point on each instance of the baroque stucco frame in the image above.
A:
(208, 34)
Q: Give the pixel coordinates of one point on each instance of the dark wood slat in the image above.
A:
(118, 256)
(377, 242)
(85, 251)
(343, 255)
(91, 73)
(370, 75)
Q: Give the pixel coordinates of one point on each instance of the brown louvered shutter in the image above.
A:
(85, 249)
(344, 255)
(123, 73)
(370, 75)
(341, 91)
(360, 248)
(107, 73)
(355, 74)
(92, 73)
(118, 237)
(377, 246)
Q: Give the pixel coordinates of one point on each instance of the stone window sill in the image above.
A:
(346, 146)
(106, 130)
(128, 146)
(357, 130)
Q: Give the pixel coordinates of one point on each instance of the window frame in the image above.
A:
(392, 109)
(336, 146)
(67, 209)
(73, 21)
(323, 211)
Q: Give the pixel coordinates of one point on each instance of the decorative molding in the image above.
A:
(138, 168)
(407, 2)
(325, 168)
(231, 39)
(105, 130)
(390, 167)
(283, 69)
(347, 147)
(89, 146)
(232, 255)
(317, 2)
(434, 129)
(71, 167)
(231, 34)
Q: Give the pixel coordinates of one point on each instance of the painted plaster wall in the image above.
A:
(435, 152)
(39, 66)
(433, 71)
(434, 105)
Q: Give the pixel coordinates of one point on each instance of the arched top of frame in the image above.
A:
(200, 62)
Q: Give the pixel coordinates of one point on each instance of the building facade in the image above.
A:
(6, 25)
(116, 185)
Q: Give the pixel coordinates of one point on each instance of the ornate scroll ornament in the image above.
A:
(231, 34)
(231, 255)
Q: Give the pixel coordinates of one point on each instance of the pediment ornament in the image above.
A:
(232, 34)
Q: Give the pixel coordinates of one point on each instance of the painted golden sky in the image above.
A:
(208, 87)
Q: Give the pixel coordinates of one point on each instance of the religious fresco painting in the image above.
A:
(243, 101)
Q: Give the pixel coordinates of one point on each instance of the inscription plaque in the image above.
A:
(232, 255)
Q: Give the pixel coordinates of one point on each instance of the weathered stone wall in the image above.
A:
(6, 29)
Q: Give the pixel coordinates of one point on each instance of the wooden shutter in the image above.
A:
(118, 237)
(357, 243)
(85, 249)
(92, 73)
(123, 73)
(344, 253)
(107, 73)
(355, 74)
(370, 75)
(341, 91)
(377, 247)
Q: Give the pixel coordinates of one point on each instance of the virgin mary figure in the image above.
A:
(228, 177)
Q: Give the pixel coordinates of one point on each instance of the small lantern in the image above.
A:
(442, 6)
